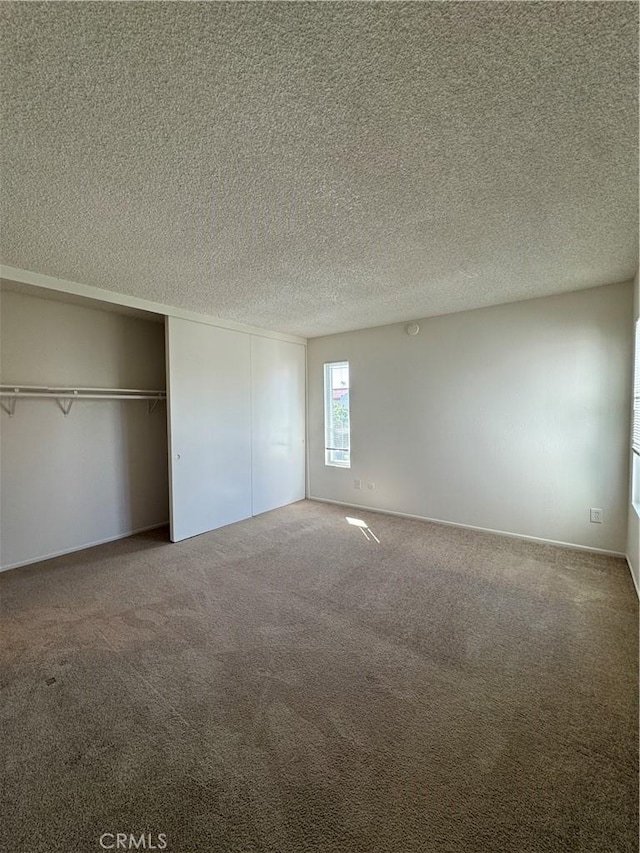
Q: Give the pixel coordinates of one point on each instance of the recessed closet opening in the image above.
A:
(84, 423)
(118, 420)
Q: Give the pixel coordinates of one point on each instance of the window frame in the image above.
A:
(330, 453)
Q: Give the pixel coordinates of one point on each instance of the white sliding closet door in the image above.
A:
(209, 406)
(278, 423)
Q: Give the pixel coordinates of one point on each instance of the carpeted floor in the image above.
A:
(287, 684)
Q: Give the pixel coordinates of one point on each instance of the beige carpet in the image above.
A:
(287, 684)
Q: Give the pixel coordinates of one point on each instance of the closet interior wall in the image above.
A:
(101, 472)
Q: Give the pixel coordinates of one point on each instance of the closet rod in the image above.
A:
(56, 390)
(65, 395)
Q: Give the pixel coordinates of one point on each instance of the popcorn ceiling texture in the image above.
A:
(313, 168)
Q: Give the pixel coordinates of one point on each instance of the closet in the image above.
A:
(236, 425)
(83, 442)
(115, 421)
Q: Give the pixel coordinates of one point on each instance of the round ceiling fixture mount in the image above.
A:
(412, 329)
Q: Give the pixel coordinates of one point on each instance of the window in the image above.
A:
(337, 441)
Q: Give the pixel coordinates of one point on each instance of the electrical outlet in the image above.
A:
(371, 485)
(596, 515)
(357, 484)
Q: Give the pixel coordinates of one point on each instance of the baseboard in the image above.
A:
(633, 577)
(573, 546)
(32, 561)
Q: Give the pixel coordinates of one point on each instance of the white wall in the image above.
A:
(99, 473)
(633, 531)
(512, 418)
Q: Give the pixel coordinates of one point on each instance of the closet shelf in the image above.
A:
(65, 396)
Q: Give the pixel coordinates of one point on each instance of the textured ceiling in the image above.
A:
(318, 167)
